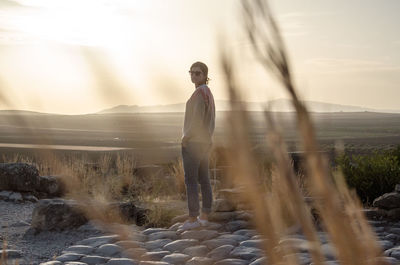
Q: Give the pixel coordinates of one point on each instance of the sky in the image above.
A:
(82, 56)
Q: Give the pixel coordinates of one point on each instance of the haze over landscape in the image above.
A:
(135, 53)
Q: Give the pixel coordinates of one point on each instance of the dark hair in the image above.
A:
(203, 67)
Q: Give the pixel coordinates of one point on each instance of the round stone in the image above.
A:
(176, 258)
(163, 235)
(237, 238)
(200, 261)
(98, 241)
(246, 253)
(69, 257)
(214, 243)
(196, 251)
(246, 232)
(179, 245)
(199, 234)
(159, 243)
(149, 231)
(221, 252)
(121, 261)
(109, 250)
(92, 260)
(155, 255)
(231, 262)
(79, 249)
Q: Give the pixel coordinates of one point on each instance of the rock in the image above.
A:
(394, 230)
(56, 214)
(180, 245)
(30, 198)
(388, 201)
(133, 253)
(392, 237)
(393, 214)
(92, 260)
(159, 243)
(5, 194)
(19, 177)
(11, 253)
(199, 234)
(176, 258)
(237, 238)
(131, 213)
(149, 231)
(222, 216)
(246, 232)
(175, 226)
(221, 252)
(69, 257)
(196, 251)
(374, 213)
(15, 197)
(236, 225)
(385, 244)
(20, 224)
(51, 186)
(231, 262)
(180, 218)
(155, 255)
(397, 188)
(53, 262)
(121, 261)
(200, 261)
(98, 241)
(297, 244)
(79, 249)
(233, 195)
(246, 253)
(109, 250)
(246, 216)
(329, 251)
(126, 244)
(214, 243)
(153, 263)
(253, 243)
(74, 263)
(162, 235)
(260, 261)
(387, 260)
(223, 205)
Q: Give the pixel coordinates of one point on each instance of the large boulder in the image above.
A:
(388, 201)
(60, 214)
(19, 177)
(57, 214)
(51, 186)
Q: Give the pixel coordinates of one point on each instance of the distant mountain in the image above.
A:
(22, 112)
(279, 105)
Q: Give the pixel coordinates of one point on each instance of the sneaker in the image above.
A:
(189, 226)
(202, 222)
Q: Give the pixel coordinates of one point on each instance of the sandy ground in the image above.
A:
(15, 233)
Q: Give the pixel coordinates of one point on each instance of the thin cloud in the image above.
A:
(335, 65)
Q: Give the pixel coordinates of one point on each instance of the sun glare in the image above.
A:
(87, 23)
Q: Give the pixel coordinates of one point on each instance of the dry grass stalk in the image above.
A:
(340, 212)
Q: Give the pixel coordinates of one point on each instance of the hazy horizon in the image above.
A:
(75, 57)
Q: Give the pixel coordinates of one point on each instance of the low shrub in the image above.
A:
(371, 175)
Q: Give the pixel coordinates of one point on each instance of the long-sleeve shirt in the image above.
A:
(199, 123)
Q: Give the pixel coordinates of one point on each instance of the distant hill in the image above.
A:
(279, 105)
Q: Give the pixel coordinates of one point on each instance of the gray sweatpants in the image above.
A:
(195, 157)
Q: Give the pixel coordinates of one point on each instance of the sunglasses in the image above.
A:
(196, 73)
